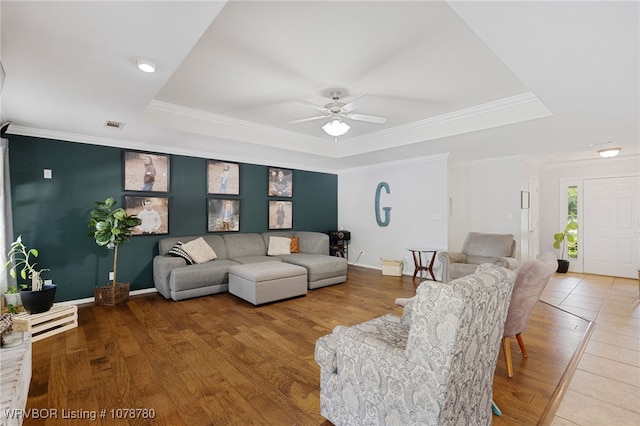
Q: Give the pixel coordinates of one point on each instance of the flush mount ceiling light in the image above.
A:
(609, 152)
(336, 127)
(146, 65)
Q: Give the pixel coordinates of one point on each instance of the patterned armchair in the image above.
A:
(478, 248)
(433, 366)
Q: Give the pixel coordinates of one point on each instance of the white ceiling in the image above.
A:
(474, 79)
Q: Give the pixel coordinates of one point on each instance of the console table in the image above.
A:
(429, 260)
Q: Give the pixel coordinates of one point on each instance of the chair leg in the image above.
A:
(507, 355)
(522, 346)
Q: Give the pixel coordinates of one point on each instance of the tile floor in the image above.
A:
(605, 388)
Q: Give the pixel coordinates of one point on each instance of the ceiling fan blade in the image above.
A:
(312, 105)
(302, 120)
(356, 103)
(369, 118)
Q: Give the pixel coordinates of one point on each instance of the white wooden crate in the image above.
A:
(56, 320)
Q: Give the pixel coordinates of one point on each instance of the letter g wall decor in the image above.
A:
(387, 210)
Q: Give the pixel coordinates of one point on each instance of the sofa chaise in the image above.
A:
(175, 279)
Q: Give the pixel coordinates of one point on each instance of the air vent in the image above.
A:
(114, 124)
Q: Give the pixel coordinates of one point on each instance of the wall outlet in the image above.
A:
(48, 282)
(111, 275)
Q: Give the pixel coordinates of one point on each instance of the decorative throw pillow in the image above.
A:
(178, 251)
(278, 246)
(295, 245)
(199, 250)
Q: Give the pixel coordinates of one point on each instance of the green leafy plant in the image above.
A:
(568, 236)
(12, 309)
(111, 227)
(23, 259)
(14, 289)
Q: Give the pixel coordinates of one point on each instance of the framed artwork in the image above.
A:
(280, 182)
(280, 214)
(152, 211)
(223, 215)
(145, 171)
(223, 177)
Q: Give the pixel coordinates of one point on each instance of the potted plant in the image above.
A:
(12, 295)
(38, 297)
(111, 227)
(562, 240)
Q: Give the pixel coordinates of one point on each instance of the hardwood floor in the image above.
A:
(219, 360)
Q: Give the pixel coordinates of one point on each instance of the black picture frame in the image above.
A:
(151, 210)
(280, 214)
(223, 177)
(145, 171)
(223, 215)
(280, 182)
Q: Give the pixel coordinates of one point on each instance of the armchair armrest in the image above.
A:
(506, 262)
(325, 353)
(447, 258)
(452, 257)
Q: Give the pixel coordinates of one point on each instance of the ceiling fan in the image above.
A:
(337, 111)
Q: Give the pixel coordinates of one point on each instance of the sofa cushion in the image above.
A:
(319, 266)
(241, 245)
(199, 251)
(279, 246)
(313, 242)
(178, 251)
(192, 276)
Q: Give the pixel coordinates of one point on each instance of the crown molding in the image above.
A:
(595, 161)
(408, 161)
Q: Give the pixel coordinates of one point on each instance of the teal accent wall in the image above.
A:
(52, 214)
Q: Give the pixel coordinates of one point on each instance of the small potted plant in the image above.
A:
(12, 295)
(562, 240)
(111, 227)
(38, 297)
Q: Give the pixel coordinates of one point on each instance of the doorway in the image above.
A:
(611, 227)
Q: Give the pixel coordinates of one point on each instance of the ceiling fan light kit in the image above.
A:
(609, 152)
(336, 127)
(337, 112)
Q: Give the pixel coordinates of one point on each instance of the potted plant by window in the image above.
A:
(38, 297)
(111, 227)
(562, 240)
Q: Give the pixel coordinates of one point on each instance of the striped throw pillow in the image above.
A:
(178, 251)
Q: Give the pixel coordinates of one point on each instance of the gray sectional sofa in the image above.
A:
(175, 279)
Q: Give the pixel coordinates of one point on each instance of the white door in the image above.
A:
(611, 227)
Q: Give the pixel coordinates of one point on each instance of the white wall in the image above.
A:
(418, 201)
(552, 191)
(485, 197)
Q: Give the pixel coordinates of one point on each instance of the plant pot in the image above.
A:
(563, 266)
(110, 295)
(12, 299)
(36, 302)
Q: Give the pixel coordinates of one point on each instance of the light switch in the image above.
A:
(47, 174)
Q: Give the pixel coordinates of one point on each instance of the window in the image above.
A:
(572, 215)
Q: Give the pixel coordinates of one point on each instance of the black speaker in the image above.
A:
(339, 235)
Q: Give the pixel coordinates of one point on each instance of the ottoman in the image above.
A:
(265, 282)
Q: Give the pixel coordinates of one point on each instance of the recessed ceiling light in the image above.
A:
(146, 65)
